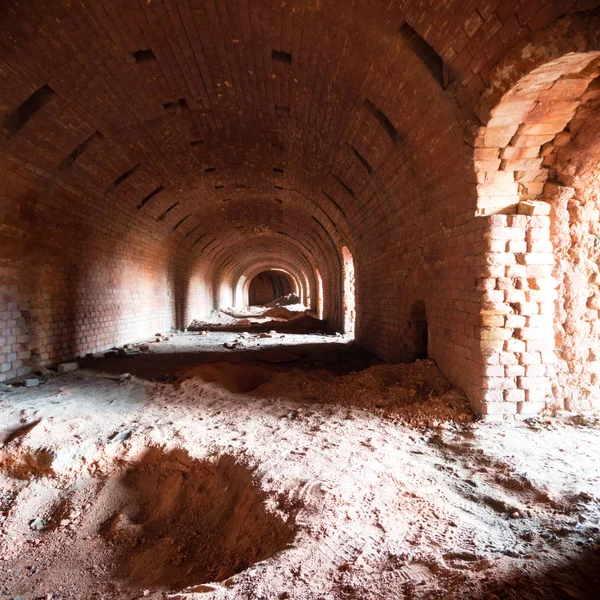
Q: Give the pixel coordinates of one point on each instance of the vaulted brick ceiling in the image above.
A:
(229, 121)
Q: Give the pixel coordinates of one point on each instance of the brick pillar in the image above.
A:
(516, 334)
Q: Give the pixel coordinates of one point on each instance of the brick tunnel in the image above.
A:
(421, 178)
(152, 155)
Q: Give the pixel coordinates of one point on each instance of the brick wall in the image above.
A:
(68, 287)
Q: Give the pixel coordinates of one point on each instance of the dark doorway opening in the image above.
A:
(418, 326)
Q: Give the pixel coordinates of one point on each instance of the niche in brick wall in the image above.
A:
(363, 161)
(418, 329)
(143, 56)
(281, 56)
(80, 149)
(384, 121)
(427, 54)
(16, 120)
(345, 186)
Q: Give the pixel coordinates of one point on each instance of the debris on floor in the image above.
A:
(67, 367)
(287, 300)
(416, 393)
(292, 318)
(239, 475)
(281, 312)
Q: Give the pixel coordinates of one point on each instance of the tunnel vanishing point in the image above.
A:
(157, 156)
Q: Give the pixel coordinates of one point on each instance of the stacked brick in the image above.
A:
(517, 335)
(14, 340)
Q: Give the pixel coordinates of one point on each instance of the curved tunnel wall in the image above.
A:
(149, 155)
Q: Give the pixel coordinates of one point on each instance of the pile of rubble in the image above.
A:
(39, 376)
(132, 349)
(284, 314)
(248, 340)
(416, 394)
(289, 300)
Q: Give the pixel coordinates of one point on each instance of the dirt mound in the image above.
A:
(415, 393)
(10, 434)
(307, 323)
(250, 312)
(26, 465)
(280, 312)
(284, 301)
(185, 522)
(216, 317)
(281, 319)
(235, 378)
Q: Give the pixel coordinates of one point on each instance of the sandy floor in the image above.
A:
(209, 473)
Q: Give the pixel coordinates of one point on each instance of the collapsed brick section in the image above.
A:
(511, 149)
(573, 192)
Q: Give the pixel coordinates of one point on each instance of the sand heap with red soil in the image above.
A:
(250, 480)
(417, 393)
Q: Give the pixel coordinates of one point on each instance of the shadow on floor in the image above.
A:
(578, 577)
(165, 366)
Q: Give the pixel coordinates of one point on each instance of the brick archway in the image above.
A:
(513, 158)
(511, 150)
(300, 282)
